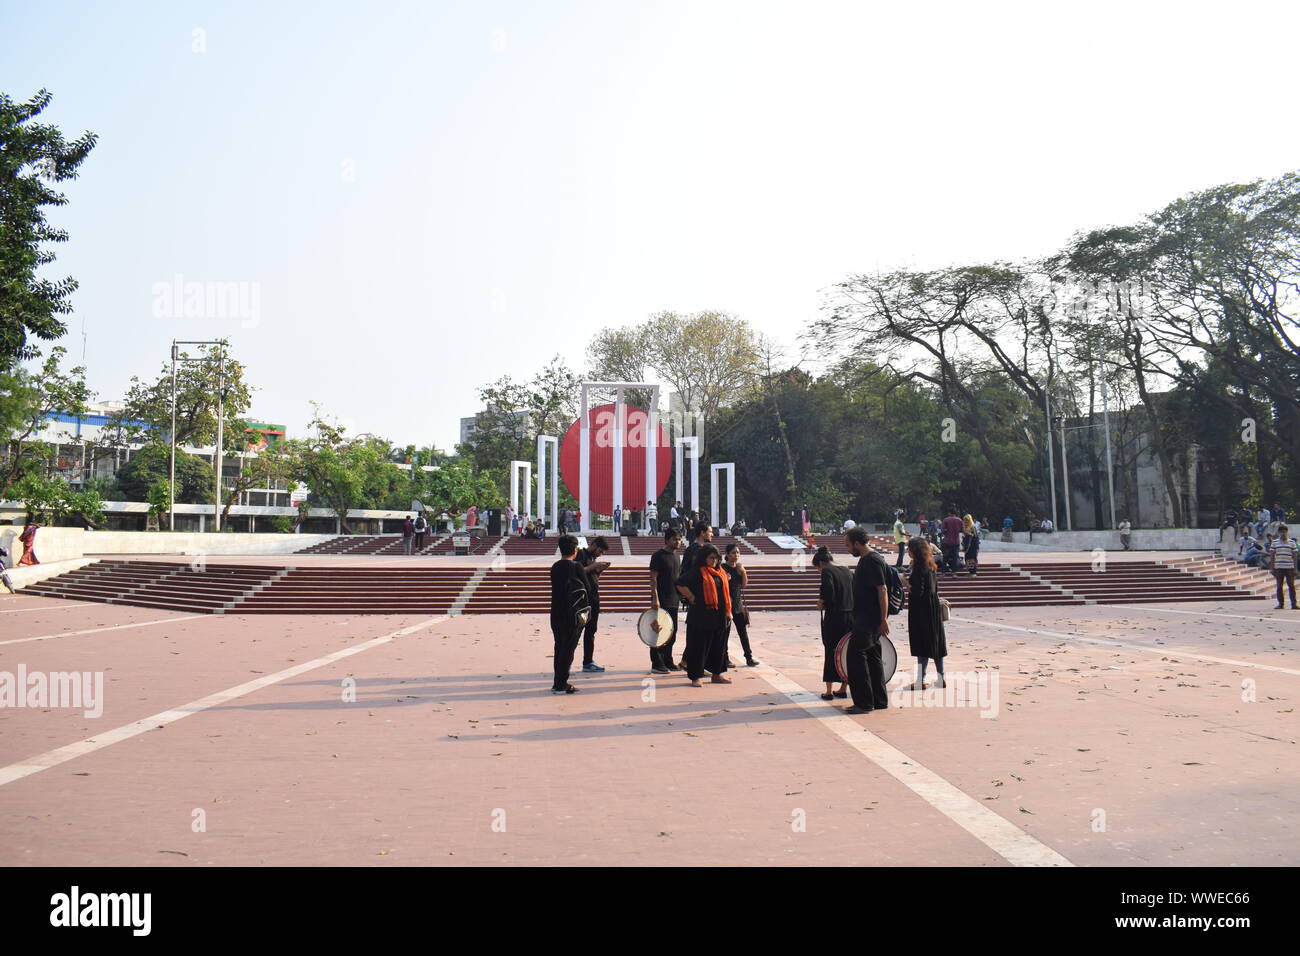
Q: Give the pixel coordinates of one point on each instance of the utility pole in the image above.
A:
(1110, 467)
(217, 455)
(171, 503)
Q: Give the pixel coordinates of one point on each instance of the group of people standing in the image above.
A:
(855, 615)
(710, 583)
(951, 536)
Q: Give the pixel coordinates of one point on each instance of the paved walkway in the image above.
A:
(1121, 737)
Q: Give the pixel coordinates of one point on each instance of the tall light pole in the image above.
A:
(221, 357)
(1110, 465)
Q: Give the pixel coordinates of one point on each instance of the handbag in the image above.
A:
(945, 609)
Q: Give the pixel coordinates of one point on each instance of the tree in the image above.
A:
(52, 498)
(147, 412)
(27, 399)
(33, 156)
(261, 471)
(515, 413)
(951, 328)
(342, 472)
(152, 464)
(455, 486)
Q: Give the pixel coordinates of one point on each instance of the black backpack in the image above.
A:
(579, 603)
(893, 585)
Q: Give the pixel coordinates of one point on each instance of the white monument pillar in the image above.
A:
(525, 469)
(681, 443)
(619, 437)
(730, 468)
(554, 499)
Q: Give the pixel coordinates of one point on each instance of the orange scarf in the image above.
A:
(714, 581)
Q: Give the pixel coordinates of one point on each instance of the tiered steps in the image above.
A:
(168, 585)
(1257, 581)
(360, 590)
(1134, 582)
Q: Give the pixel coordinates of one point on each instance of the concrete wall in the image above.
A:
(63, 544)
(1168, 539)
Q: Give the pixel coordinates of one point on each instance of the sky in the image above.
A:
(417, 198)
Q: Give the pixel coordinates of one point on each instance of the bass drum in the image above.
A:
(888, 658)
(649, 636)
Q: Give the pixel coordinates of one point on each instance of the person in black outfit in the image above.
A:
(739, 578)
(665, 568)
(866, 671)
(566, 577)
(835, 601)
(925, 636)
(707, 591)
(703, 536)
(589, 561)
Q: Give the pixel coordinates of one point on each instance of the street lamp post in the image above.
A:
(216, 456)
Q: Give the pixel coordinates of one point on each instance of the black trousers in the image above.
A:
(834, 626)
(566, 642)
(589, 635)
(706, 644)
(1288, 577)
(866, 670)
(902, 549)
(742, 631)
(950, 558)
(663, 656)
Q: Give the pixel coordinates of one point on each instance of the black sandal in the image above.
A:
(828, 696)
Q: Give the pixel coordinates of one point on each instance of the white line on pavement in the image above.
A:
(996, 832)
(52, 758)
(96, 630)
(1164, 650)
(1239, 617)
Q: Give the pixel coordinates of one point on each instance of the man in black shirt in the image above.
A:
(566, 577)
(703, 536)
(866, 670)
(589, 561)
(665, 569)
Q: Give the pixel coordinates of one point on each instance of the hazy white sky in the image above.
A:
(428, 195)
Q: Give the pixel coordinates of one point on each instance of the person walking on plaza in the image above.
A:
(706, 590)
(738, 579)
(951, 529)
(1126, 535)
(925, 636)
(865, 669)
(1282, 562)
(971, 544)
(589, 561)
(618, 519)
(1007, 526)
(568, 600)
(835, 601)
(665, 568)
(28, 541)
(421, 528)
(900, 536)
(408, 533)
(652, 517)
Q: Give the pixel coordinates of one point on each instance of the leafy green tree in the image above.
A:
(33, 157)
(152, 464)
(342, 472)
(27, 398)
(147, 413)
(52, 499)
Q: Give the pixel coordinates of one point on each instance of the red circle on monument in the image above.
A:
(602, 431)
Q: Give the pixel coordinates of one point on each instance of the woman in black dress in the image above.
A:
(835, 601)
(925, 636)
(739, 613)
(707, 591)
